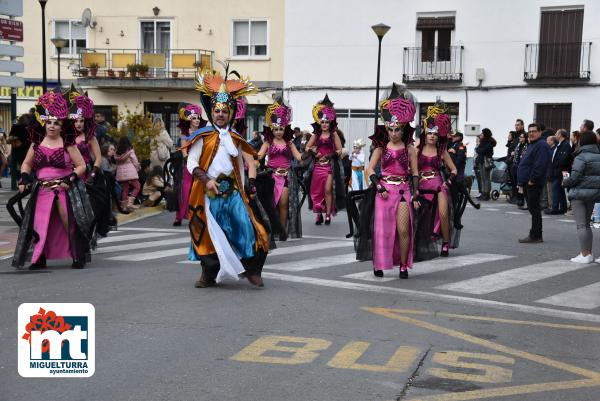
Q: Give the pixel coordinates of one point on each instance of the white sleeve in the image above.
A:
(194, 155)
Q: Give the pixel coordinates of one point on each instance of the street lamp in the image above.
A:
(59, 43)
(44, 78)
(380, 30)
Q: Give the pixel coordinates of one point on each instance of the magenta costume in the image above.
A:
(184, 194)
(321, 171)
(396, 180)
(279, 160)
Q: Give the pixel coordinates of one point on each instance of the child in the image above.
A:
(154, 186)
(127, 173)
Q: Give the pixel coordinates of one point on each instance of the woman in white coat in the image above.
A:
(161, 148)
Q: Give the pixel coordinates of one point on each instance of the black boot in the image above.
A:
(78, 264)
(40, 264)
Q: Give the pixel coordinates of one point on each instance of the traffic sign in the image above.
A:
(11, 30)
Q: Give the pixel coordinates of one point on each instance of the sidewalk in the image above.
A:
(9, 230)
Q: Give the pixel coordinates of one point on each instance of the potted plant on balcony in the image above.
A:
(111, 73)
(174, 74)
(132, 70)
(143, 70)
(122, 73)
(83, 72)
(94, 69)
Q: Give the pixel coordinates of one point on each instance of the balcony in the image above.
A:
(433, 65)
(557, 62)
(113, 67)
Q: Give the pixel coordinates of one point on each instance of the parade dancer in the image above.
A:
(226, 236)
(358, 165)
(396, 194)
(326, 180)
(58, 216)
(190, 120)
(280, 151)
(434, 216)
(81, 125)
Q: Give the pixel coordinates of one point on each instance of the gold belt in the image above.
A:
(395, 179)
(283, 172)
(427, 175)
(52, 184)
(226, 184)
(358, 168)
(322, 162)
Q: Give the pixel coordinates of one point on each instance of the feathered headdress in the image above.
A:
(437, 119)
(278, 115)
(398, 110)
(359, 143)
(80, 106)
(188, 110)
(324, 111)
(239, 122)
(50, 106)
(219, 91)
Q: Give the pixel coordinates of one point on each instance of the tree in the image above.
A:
(137, 126)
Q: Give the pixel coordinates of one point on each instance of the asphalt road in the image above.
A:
(495, 321)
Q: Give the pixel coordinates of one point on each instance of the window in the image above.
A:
(436, 36)
(75, 34)
(250, 38)
(554, 115)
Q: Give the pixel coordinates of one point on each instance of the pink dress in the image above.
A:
(53, 243)
(325, 146)
(279, 159)
(86, 152)
(430, 187)
(386, 242)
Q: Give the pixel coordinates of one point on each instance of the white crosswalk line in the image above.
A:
(130, 237)
(314, 263)
(587, 297)
(289, 250)
(139, 257)
(432, 266)
(143, 245)
(152, 229)
(514, 212)
(512, 278)
(566, 220)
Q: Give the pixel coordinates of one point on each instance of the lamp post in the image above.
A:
(380, 30)
(44, 78)
(59, 43)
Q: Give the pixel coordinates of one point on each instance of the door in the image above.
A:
(156, 38)
(169, 114)
(560, 44)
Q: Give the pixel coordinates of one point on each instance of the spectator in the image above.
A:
(154, 186)
(519, 152)
(102, 128)
(297, 138)
(511, 143)
(559, 154)
(586, 126)
(458, 153)
(127, 173)
(108, 159)
(4, 153)
(161, 147)
(584, 184)
(520, 127)
(256, 142)
(18, 139)
(546, 198)
(531, 175)
(484, 153)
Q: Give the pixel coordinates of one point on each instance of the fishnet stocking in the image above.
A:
(403, 228)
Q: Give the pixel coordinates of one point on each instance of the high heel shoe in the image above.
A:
(40, 264)
(327, 219)
(319, 219)
(377, 273)
(403, 272)
(445, 249)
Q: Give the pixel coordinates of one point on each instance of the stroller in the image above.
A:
(501, 175)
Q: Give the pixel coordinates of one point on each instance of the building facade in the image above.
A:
(491, 62)
(171, 38)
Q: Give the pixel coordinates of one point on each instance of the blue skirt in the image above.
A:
(232, 216)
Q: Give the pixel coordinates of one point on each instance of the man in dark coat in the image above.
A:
(559, 154)
(531, 175)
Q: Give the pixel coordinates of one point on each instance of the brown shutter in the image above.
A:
(435, 23)
(560, 43)
(554, 115)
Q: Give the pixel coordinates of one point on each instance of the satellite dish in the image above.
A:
(86, 18)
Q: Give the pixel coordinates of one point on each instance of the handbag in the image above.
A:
(488, 163)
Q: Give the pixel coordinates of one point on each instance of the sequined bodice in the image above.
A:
(84, 149)
(325, 146)
(395, 162)
(49, 157)
(429, 163)
(279, 156)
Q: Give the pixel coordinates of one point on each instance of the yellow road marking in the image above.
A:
(348, 356)
(499, 320)
(493, 374)
(299, 355)
(594, 377)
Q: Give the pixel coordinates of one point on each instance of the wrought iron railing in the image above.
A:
(435, 64)
(562, 61)
(116, 63)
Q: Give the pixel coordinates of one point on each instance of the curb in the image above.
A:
(139, 214)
